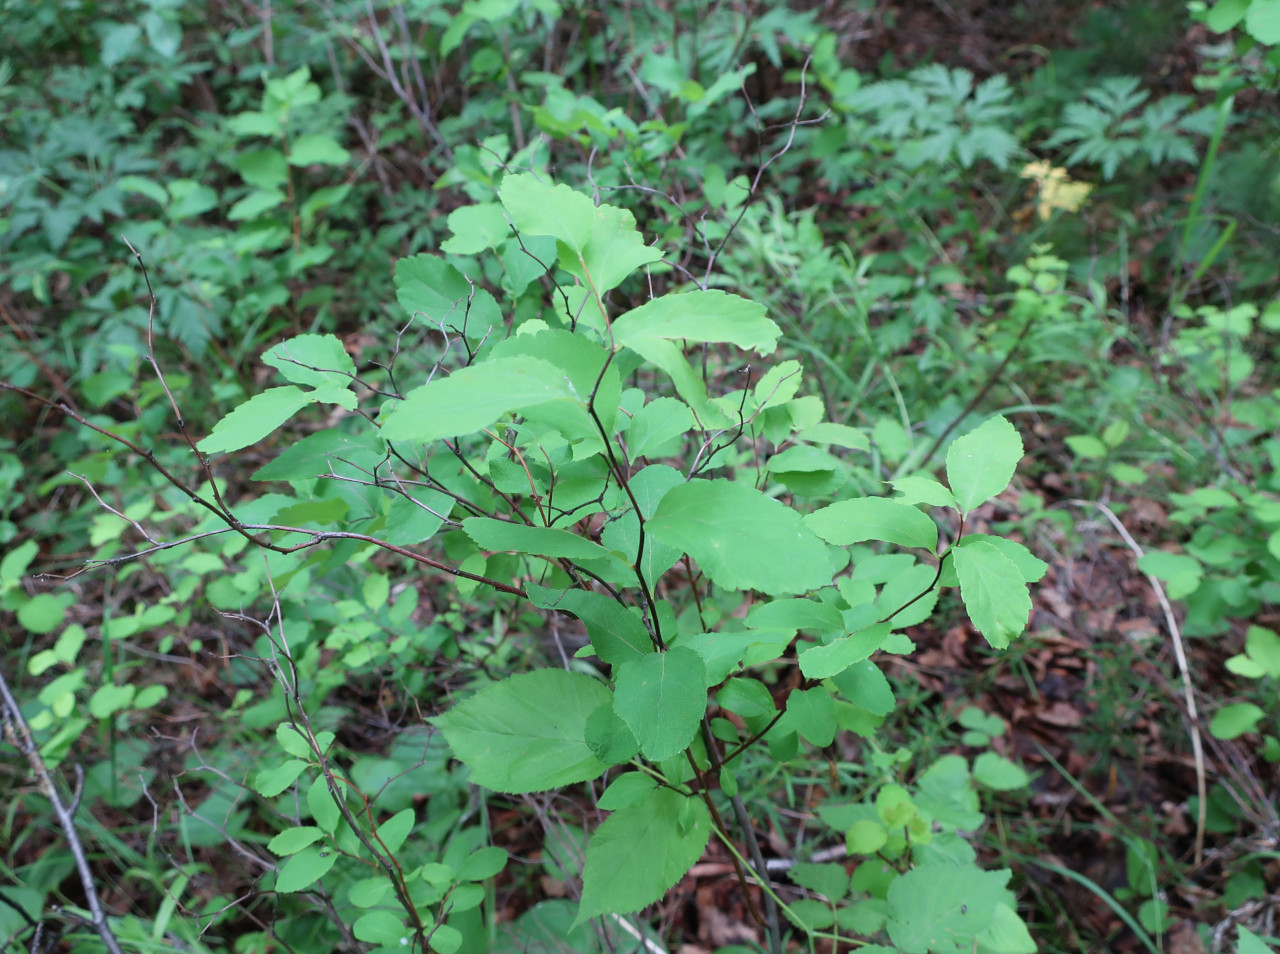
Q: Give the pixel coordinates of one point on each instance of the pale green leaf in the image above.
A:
(820, 662)
(981, 463)
(491, 534)
(812, 713)
(1262, 22)
(257, 417)
(317, 149)
(741, 538)
(380, 927)
(292, 840)
(993, 591)
(313, 360)
(474, 397)
(661, 697)
(476, 228)
(874, 518)
(528, 732)
(997, 772)
(698, 316)
(274, 779)
(395, 829)
(1231, 722)
(305, 868)
(942, 907)
(641, 851)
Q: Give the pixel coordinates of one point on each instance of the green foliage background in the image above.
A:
(551, 421)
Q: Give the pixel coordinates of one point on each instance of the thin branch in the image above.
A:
(19, 734)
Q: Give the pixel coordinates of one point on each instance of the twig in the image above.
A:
(1180, 653)
(19, 734)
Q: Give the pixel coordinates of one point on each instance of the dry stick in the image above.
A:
(20, 736)
(1179, 651)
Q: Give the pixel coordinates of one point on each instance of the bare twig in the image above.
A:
(19, 734)
(1180, 653)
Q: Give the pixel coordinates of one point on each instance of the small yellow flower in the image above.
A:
(1057, 190)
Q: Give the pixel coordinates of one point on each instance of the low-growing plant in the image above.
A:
(574, 458)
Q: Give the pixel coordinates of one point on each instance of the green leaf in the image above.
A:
(626, 790)
(617, 632)
(981, 463)
(602, 245)
(305, 868)
(874, 518)
(641, 851)
(997, 772)
(741, 538)
(1262, 22)
(842, 435)
(748, 698)
(821, 662)
(313, 360)
(110, 699)
(648, 487)
(1231, 722)
(324, 809)
(317, 149)
(812, 713)
(942, 907)
(445, 939)
(698, 316)
(994, 594)
(1225, 15)
(609, 738)
(1032, 568)
(292, 840)
(656, 425)
(483, 864)
(474, 397)
(491, 534)
(1249, 943)
(794, 614)
(395, 829)
(528, 732)
(379, 927)
(662, 697)
(925, 490)
(293, 741)
(274, 779)
(257, 417)
(476, 228)
(865, 686)
(322, 452)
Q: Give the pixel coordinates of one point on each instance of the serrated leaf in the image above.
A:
(313, 360)
(698, 316)
(874, 518)
(993, 591)
(617, 633)
(821, 662)
(741, 538)
(661, 697)
(257, 417)
(476, 228)
(474, 397)
(528, 732)
(981, 463)
(942, 907)
(641, 851)
(491, 534)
